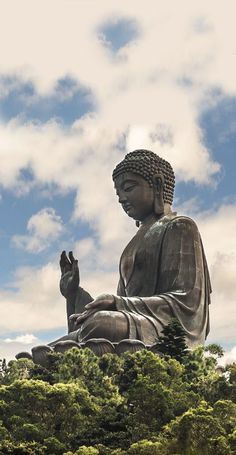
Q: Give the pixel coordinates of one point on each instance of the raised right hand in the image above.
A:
(70, 279)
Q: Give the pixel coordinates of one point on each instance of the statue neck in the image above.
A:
(153, 217)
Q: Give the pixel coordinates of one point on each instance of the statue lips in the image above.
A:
(127, 207)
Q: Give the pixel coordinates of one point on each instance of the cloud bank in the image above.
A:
(72, 104)
(43, 228)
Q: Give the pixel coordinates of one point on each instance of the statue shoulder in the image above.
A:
(182, 220)
(174, 222)
(183, 225)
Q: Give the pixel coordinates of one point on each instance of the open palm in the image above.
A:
(70, 278)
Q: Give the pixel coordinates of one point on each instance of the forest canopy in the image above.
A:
(139, 403)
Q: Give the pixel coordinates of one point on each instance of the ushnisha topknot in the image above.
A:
(147, 164)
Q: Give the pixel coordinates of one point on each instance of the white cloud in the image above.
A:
(37, 304)
(229, 357)
(186, 51)
(218, 229)
(43, 228)
(139, 91)
(151, 96)
(34, 300)
(28, 338)
(189, 206)
(45, 223)
(9, 350)
(9, 347)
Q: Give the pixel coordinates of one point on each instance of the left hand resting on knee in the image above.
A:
(104, 302)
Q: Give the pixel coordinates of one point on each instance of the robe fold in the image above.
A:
(164, 274)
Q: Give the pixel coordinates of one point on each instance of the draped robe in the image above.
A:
(163, 274)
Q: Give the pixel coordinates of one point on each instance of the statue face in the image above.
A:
(135, 195)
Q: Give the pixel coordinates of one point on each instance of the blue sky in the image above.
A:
(218, 127)
(67, 101)
(118, 33)
(71, 106)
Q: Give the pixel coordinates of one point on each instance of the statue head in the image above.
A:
(154, 172)
(148, 165)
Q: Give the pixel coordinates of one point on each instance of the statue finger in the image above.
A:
(81, 317)
(71, 257)
(75, 267)
(84, 316)
(91, 305)
(102, 301)
(65, 264)
(74, 316)
(62, 260)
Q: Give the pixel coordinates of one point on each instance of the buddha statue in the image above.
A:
(163, 269)
(163, 272)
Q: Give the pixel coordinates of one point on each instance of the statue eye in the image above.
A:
(129, 187)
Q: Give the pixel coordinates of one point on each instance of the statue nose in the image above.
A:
(122, 198)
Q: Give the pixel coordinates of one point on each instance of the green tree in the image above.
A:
(3, 366)
(136, 403)
(14, 448)
(146, 447)
(232, 372)
(215, 350)
(198, 365)
(54, 446)
(82, 366)
(197, 431)
(83, 450)
(155, 392)
(35, 410)
(4, 434)
(200, 372)
(225, 411)
(172, 341)
(17, 369)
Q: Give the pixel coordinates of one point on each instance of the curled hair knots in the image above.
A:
(147, 164)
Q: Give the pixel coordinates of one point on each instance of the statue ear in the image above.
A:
(158, 188)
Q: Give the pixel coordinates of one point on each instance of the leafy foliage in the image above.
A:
(138, 403)
(172, 341)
